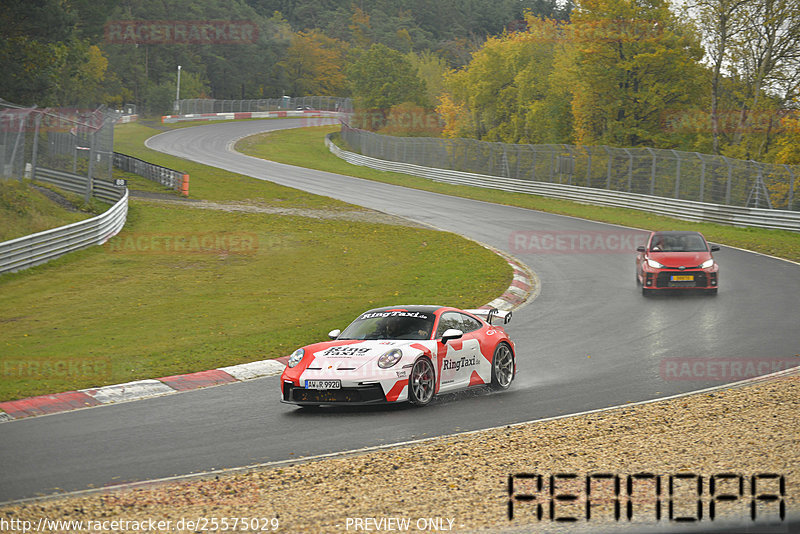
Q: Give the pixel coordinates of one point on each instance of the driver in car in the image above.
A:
(399, 328)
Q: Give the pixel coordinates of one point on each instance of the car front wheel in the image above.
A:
(422, 382)
(502, 367)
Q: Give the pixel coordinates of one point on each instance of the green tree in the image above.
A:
(509, 92)
(81, 75)
(229, 71)
(431, 68)
(32, 48)
(381, 78)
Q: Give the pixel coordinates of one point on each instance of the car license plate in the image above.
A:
(323, 384)
(682, 278)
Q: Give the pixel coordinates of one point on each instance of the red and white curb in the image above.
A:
(237, 115)
(140, 389)
(523, 288)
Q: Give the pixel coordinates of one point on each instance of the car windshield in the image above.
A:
(395, 324)
(678, 243)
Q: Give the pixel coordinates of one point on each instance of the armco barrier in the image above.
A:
(679, 209)
(34, 249)
(171, 178)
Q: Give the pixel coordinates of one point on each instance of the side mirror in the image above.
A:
(640, 248)
(451, 334)
(333, 334)
(714, 248)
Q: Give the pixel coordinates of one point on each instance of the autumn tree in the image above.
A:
(767, 63)
(360, 28)
(722, 22)
(81, 74)
(381, 78)
(788, 144)
(431, 68)
(635, 64)
(507, 92)
(314, 65)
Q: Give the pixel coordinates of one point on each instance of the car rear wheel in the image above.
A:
(422, 382)
(502, 367)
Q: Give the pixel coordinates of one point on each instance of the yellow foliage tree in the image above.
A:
(506, 92)
(788, 144)
(313, 64)
(634, 65)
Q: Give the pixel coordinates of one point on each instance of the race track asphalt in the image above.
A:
(589, 341)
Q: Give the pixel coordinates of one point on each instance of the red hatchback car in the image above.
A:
(676, 260)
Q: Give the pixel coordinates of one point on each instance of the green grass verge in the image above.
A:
(124, 312)
(305, 148)
(210, 183)
(25, 211)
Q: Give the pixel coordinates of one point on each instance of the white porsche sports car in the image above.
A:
(402, 353)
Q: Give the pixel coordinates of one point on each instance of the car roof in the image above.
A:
(412, 308)
(678, 232)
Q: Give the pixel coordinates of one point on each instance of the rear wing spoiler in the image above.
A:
(489, 314)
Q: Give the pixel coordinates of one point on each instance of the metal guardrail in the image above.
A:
(642, 170)
(101, 189)
(209, 105)
(35, 249)
(171, 178)
(679, 209)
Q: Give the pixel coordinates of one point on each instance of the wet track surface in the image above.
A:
(590, 340)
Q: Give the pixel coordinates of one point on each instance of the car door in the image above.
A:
(461, 356)
(472, 342)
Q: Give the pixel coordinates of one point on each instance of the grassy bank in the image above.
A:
(25, 210)
(183, 289)
(305, 147)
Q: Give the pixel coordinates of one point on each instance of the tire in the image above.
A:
(421, 382)
(645, 292)
(712, 291)
(502, 367)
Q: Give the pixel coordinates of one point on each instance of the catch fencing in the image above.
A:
(71, 140)
(208, 105)
(670, 174)
(681, 209)
(57, 147)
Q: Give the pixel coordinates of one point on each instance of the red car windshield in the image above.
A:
(678, 243)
